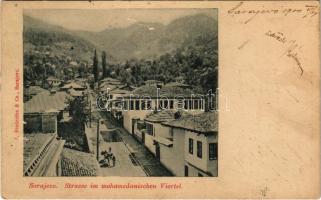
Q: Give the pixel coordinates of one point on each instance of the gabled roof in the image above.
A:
(161, 116)
(45, 101)
(75, 93)
(33, 90)
(165, 115)
(111, 81)
(127, 87)
(202, 123)
(73, 85)
(77, 163)
(118, 91)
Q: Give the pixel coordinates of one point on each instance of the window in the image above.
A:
(149, 129)
(171, 104)
(125, 105)
(131, 106)
(137, 105)
(143, 104)
(212, 148)
(195, 104)
(165, 104)
(190, 145)
(199, 149)
(149, 105)
(185, 104)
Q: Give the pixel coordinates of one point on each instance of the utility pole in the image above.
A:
(90, 113)
(98, 140)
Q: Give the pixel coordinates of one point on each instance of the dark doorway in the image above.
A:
(157, 148)
(143, 137)
(186, 171)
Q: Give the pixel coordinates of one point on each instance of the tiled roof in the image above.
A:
(204, 123)
(33, 145)
(163, 116)
(118, 91)
(111, 81)
(176, 84)
(77, 163)
(126, 87)
(153, 81)
(168, 91)
(73, 85)
(33, 90)
(45, 101)
(79, 81)
(75, 93)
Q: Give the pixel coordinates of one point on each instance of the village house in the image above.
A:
(53, 82)
(42, 147)
(178, 84)
(73, 85)
(76, 93)
(145, 99)
(180, 79)
(45, 152)
(44, 111)
(153, 83)
(200, 136)
(31, 91)
(108, 84)
(159, 139)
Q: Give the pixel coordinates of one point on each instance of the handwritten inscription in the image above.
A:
(240, 9)
(292, 47)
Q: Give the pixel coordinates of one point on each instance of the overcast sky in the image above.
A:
(98, 20)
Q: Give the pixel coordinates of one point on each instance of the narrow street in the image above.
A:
(124, 165)
(140, 154)
(132, 157)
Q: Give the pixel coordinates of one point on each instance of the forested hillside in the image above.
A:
(186, 47)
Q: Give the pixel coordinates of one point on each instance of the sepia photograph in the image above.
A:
(120, 92)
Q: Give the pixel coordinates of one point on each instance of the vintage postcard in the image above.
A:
(160, 99)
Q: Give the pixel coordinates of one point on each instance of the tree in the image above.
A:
(78, 110)
(104, 64)
(95, 67)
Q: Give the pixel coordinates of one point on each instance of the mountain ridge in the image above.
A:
(140, 40)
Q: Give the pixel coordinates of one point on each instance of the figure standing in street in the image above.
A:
(114, 160)
(109, 156)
